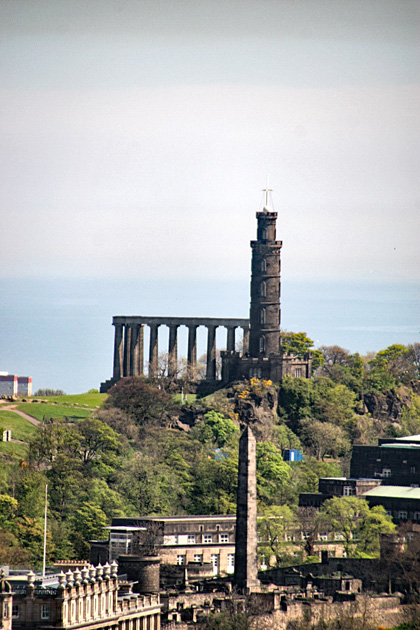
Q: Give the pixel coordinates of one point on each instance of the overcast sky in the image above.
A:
(137, 136)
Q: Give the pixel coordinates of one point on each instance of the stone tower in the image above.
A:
(262, 357)
(246, 567)
(264, 337)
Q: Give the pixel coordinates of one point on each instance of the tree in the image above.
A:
(324, 438)
(97, 441)
(146, 404)
(215, 428)
(300, 345)
(359, 525)
(272, 474)
(88, 522)
(274, 526)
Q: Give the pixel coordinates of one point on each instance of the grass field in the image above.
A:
(93, 401)
(39, 410)
(188, 398)
(21, 428)
(11, 450)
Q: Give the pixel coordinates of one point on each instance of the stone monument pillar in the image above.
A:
(246, 566)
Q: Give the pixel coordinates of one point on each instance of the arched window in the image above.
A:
(263, 289)
(262, 344)
(262, 316)
(264, 234)
(263, 266)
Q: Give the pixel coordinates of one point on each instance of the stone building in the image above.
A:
(261, 357)
(93, 597)
(179, 540)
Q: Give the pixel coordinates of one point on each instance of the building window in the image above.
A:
(263, 289)
(416, 516)
(262, 344)
(15, 611)
(255, 373)
(224, 538)
(323, 537)
(176, 540)
(263, 266)
(402, 514)
(214, 558)
(298, 372)
(198, 557)
(347, 491)
(386, 472)
(191, 539)
(412, 469)
(231, 560)
(207, 538)
(262, 316)
(180, 559)
(45, 611)
(264, 234)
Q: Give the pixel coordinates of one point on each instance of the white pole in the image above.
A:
(45, 533)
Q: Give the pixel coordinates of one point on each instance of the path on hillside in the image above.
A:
(27, 417)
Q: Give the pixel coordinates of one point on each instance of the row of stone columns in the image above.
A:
(129, 349)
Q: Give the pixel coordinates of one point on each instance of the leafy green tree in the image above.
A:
(88, 523)
(284, 438)
(273, 474)
(334, 403)
(296, 400)
(215, 429)
(342, 367)
(359, 525)
(299, 345)
(99, 444)
(146, 404)
(8, 510)
(396, 364)
(324, 438)
(30, 533)
(276, 523)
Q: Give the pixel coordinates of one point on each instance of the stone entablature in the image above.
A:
(93, 598)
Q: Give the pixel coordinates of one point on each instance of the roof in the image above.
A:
(397, 492)
(407, 445)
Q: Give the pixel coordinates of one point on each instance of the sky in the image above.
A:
(137, 137)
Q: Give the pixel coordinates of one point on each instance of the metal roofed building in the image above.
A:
(400, 502)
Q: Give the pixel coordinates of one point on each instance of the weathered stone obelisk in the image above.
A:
(246, 567)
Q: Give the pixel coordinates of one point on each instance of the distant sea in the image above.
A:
(60, 331)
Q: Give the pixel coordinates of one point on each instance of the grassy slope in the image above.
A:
(93, 401)
(21, 428)
(39, 410)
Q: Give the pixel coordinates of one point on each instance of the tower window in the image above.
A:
(262, 316)
(263, 289)
(264, 234)
(262, 344)
(263, 265)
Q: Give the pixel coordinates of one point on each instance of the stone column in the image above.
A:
(127, 351)
(246, 567)
(211, 353)
(140, 351)
(153, 351)
(173, 351)
(245, 340)
(118, 352)
(136, 350)
(230, 341)
(192, 351)
(133, 349)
